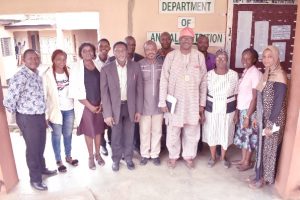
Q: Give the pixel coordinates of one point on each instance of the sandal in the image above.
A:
(71, 161)
(171, 163)
(236, 162)
(92, 165)
(242, 168)
(99, 159)
(61, 168)
(190, 163)
(256, 184)
(250, 178)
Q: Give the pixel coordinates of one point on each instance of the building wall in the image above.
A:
(116, 21)
(146, 17)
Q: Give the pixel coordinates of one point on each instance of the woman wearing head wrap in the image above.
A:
(271, 113)
(220, 110)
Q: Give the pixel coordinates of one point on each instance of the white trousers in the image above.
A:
(189, 141)
(150, 135)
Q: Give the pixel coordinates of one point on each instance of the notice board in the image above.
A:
(261, 25)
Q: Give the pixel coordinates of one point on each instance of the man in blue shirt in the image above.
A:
(210, 59)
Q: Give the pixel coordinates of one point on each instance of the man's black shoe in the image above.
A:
(104, 150)
(49, 172)
(156, 161)
(144, 161)
(39, 186)
(130, 165)
(115, 166)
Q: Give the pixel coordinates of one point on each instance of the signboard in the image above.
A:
(284, 2)
(188, 6)
(186, 22)
(281, 32)
(215, 39)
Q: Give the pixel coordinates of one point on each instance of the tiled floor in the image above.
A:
(145, 182)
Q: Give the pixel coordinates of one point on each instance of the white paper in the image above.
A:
(274, 129)
(282, 50)
(173, 101)
(243, 35)
(261, 36)
(281, 32)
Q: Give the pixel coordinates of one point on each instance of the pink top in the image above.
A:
(247, 82)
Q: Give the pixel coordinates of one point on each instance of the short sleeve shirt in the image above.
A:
(247, 82)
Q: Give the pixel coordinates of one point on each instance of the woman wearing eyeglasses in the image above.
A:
(220, 110)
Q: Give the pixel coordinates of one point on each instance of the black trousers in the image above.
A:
(122, 136)
(33, 128)
(136, 137)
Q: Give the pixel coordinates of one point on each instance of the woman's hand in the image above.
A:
(236, 117)
(268, 132)
(254, 123)
(94, 109)
(100, 108)
(246, 122)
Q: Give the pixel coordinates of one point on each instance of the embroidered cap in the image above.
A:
(187, 31)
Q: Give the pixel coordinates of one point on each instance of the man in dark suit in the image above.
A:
(122, 100)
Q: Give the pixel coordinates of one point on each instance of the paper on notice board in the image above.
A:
(281, 32)
(243, 35)
(261, 36)
(282, 49)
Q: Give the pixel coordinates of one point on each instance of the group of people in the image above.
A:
(130, 97)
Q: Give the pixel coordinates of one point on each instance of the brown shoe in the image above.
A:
(99, 159)
(242, 168)
(171, 163)
(61, 167)
(72, 161)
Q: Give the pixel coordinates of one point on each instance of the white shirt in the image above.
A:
(122, 73)
(100, 62)
(62, 81)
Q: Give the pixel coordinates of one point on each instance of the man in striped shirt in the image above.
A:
(184, 77)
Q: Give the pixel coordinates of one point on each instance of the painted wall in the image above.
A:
(115, 20)
(146, 17)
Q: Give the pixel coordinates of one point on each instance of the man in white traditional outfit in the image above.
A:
(184, 77)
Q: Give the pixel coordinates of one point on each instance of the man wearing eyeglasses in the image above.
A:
(183, 78)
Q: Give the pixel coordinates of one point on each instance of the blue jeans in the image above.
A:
(66, 130)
